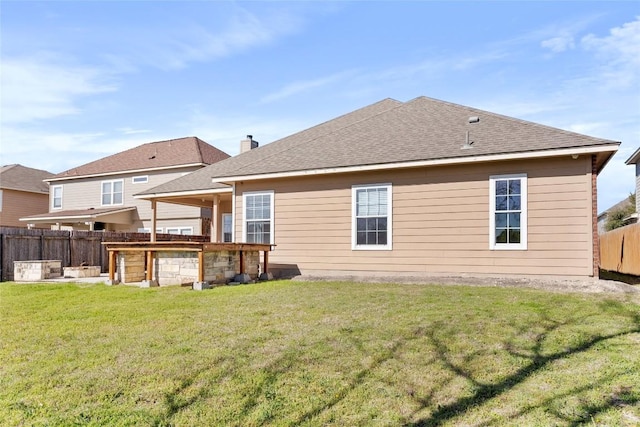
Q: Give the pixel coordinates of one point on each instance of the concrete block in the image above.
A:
(199, 286)
(82, 271)
(148, 284)
(242, 278)
(266, 276)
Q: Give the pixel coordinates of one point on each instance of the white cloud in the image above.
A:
(131, 131)
(58, 151)
(195, 43)
(305, 86)
(619, 52)
(559, 43)
(43, 87)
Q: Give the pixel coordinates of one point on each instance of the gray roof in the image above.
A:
(621, 204)
(22, 178)
(390, 132)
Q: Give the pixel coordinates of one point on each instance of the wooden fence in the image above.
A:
(620, 250)
(73, 248)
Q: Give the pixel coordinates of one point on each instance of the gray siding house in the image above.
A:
(99, 195)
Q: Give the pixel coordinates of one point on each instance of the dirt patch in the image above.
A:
(553, 284)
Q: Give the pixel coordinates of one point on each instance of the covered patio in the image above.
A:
(186, 263)
(219, 261)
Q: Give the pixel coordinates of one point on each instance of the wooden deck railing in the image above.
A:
(620, 250)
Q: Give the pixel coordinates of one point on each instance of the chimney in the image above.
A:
(248, 144)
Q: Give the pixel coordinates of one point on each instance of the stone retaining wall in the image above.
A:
(181, 267)
(32, 271)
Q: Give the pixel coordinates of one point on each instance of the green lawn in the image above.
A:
(303, 353)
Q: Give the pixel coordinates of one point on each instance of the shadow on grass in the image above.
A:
(535, 356)
(537, 361)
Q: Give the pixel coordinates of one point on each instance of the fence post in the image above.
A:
(2, 257)
(71, 237)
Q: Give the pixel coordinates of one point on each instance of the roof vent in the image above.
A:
(474, 119)
(467, 143)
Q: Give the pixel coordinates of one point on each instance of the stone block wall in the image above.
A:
(222, 266)
(131, 267)
(180, 267)
(252, 264)
(32, 271)
(176, 268)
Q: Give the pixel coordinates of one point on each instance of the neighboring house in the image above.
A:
(22, 192)
(412, 188)
(635, 160)
(99, 195)
(603, 217)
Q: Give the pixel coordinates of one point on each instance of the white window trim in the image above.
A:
(53, 196)
(112, 181)
(141, 179)
(148, 230)
(522, 246)
(354, 224)
(271, 213)
(179, 229)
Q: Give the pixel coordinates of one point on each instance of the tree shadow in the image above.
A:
(537, 360)
(356, 380)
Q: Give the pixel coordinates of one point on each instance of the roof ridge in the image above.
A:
(285, 149)
(510, 118)
(199, 148)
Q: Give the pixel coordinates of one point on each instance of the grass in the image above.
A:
(291, 353)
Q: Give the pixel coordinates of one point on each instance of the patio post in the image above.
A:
(214, 219)
(153, 220)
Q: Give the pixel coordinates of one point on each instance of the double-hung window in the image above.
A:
(56, 199)
(112, 192)
(371, 214)
(258, 217)
(508, 213)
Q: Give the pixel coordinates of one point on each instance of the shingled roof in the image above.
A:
(392, 132)
(22, 178)
(153, 155)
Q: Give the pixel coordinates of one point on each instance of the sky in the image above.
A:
(83, 80)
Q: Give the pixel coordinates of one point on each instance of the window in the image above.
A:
(258, 217)
(180, 230)
(0, 200)
(227, 224)
(371, 213)
(508, 213)
(148, 230)
(112, 192)
(143, 179)
(56, 199)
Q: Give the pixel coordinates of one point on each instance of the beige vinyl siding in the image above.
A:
(18, 204)
(86, 193)
(440, 221)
